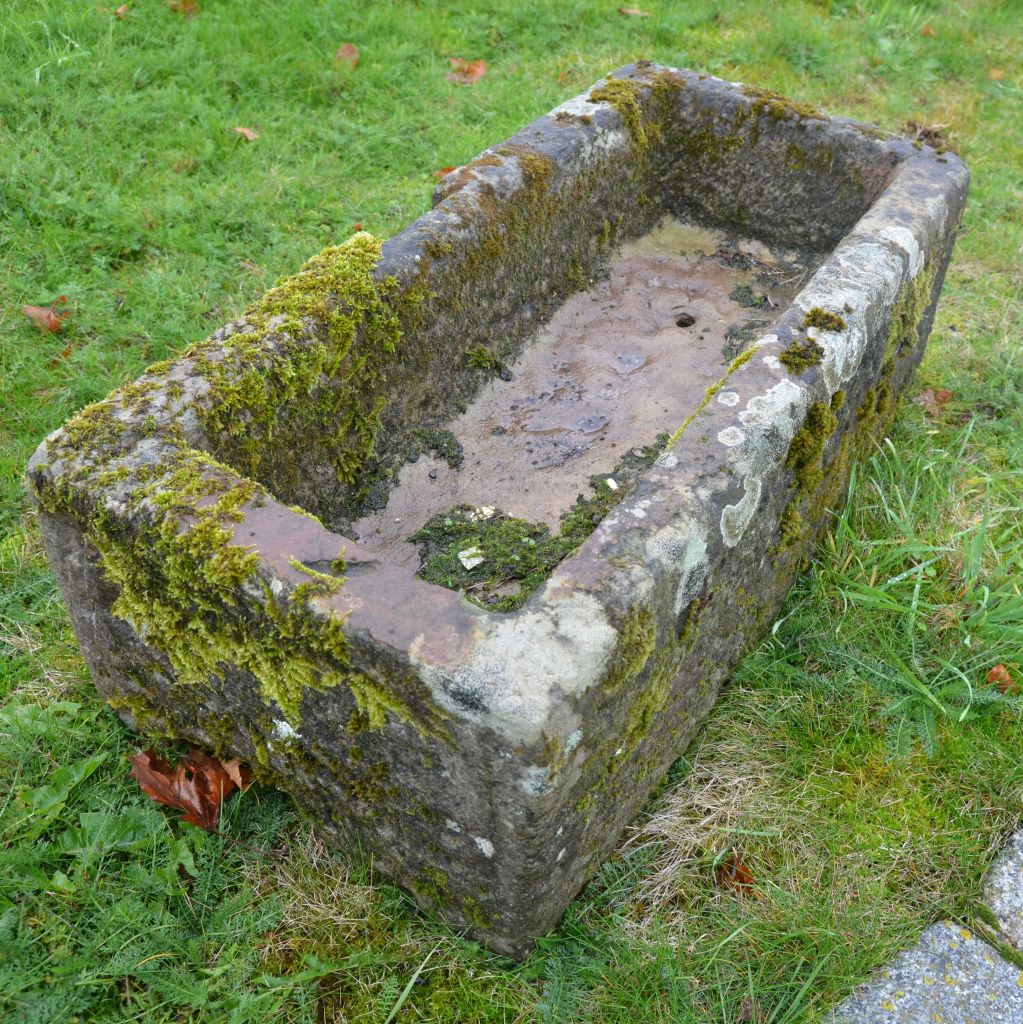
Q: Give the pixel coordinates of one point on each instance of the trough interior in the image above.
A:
(617, 368)
(568, 276)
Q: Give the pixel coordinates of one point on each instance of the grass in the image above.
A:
(858, 765)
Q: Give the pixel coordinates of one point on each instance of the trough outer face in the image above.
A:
(488, 762)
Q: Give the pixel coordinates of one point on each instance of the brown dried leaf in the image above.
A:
(347, 53)
(46, 318)
(247, 133)
(189, 8)
(928, 31)
(996, 74)
(466, 72)
(443, 172)
(1001, 678)
(122, 11)
(734, 874)
(196, 786)
(633, 12)
(357, 226)
(932, 402)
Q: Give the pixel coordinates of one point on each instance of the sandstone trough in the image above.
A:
(456, 537)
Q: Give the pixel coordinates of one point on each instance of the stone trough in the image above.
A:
(456, 538)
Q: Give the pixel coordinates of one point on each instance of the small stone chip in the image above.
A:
(471, 557)
(611, 483)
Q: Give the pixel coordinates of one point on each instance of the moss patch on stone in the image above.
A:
(515, 555)
(823, 320)
(443, 443)
(800, 354)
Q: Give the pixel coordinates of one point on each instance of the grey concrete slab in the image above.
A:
(1003, 891)
(949, 977)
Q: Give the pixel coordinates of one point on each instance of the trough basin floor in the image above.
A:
(616, 366)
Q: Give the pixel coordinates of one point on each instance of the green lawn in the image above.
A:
(859, 764)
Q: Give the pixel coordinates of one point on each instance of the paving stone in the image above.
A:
(1003, 891)
(949, 977)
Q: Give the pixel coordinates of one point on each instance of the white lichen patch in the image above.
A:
(728, 398)
(282, 730)
(859, 279)
(731, 436)
(493, 685)
(485, 846)
(770, 421)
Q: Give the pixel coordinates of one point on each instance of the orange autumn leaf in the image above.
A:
(996, 74)
(46, 318)
(347, 53)
(734, 874)
(466, 72)
(188, 8)
(1001, 678)
(928, 31)
(357, 226)
(122, 11)
(932, 402)
(197, 785)
(247, 133)
(443, 172)
(633, 12)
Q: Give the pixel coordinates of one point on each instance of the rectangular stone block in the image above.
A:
(456, 537)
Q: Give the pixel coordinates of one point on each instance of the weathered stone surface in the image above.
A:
(1003, 891)
(950, 977)
(199, 521)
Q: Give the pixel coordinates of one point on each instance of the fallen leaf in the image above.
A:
(928, 31)
(750, 1012)
(443, 172)
(357, 226)
(996, 74)
(64, 353)
(633, 12)
(189, 8)
(734, 874)
(247, 133)
(932, 402)
(1001, 678)
(466, 72)
(46, 318)
(347, 53)
(122, 11)
(196, 786)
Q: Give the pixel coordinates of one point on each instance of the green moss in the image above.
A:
(800, 355)
(518, 555)
(624, 96)
(637, 639)
(444, 443)
(481, 358)
(823, 320)
(776, 107)
(744, 295)
(807, 447)
(311, 360)
(791, 525)
(740, 360)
